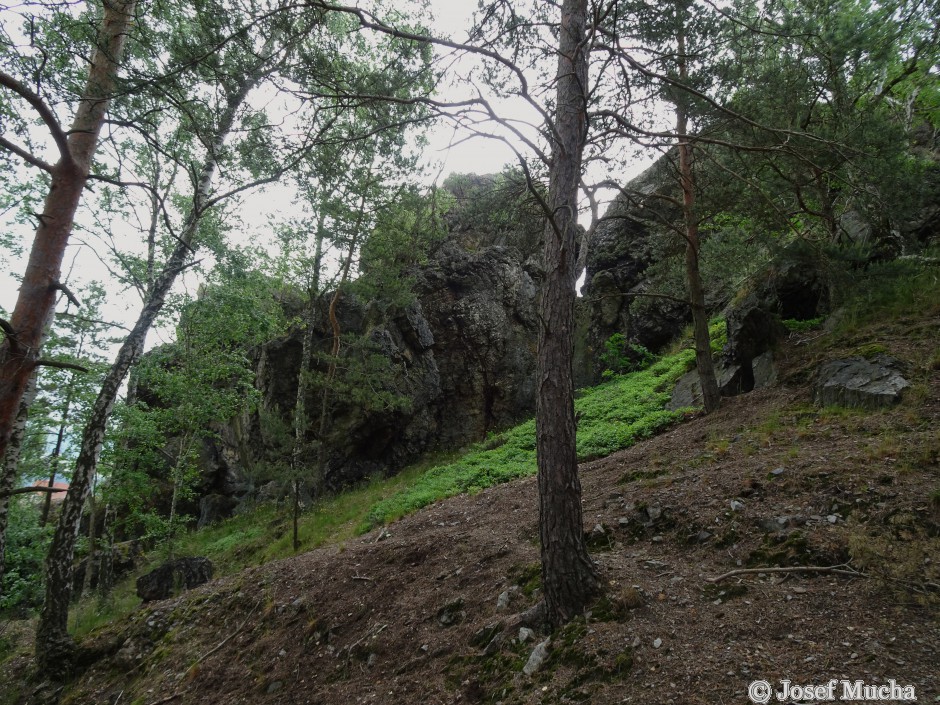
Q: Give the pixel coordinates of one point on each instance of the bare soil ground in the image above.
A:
(408, 614)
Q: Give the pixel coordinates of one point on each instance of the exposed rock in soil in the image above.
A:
(732, 381)
(861, 383)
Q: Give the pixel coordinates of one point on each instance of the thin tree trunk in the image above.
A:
(106, 563)
(178, 474)
(334, 348)
(55, 649)
(19, 351)
(303, 378)
(56, 454)
(569, 576)
(711, 397)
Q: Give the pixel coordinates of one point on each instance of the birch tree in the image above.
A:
(218, 57)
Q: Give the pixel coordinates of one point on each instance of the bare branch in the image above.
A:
(29, 490)
(86, 319)
(843, 569)
(45, 113)
(368, 20)
(725, 110)
(61, 365)
(24, 155)
(59, 286)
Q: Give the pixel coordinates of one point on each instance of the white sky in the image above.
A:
(469, 155)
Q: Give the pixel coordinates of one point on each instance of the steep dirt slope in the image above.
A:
(408, 614)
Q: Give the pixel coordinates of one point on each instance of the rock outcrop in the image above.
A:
(731, 381)
(623, 249)
(460, 361)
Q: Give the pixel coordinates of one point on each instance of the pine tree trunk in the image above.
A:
(711, 397)
(569, 576)
(36, 300)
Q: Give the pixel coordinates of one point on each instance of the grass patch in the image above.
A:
(93, 613)
(611, 416)
(266, 533)
(796, 326)
(890, 291)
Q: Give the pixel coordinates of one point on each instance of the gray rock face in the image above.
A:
(861, 383)
(625, 245)
(461, 359)
(754, 327)
(215, 507)
(183, 573)
(793, 286)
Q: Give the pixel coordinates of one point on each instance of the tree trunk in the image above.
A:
(711, 397)
(54, 647)
(334, 349)
(303, 378)
(36, 300)
(178, 475)
(106, 564)
(56, 454)
(55, 650)
(569, 576)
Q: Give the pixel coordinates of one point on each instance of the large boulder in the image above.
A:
(795, 286)
(860, 383)
(731, 381)
(172, 576)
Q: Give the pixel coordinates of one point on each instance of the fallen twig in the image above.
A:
(363, 578)
(223, 642)
(369, 634)
(839, 569)
(167, 699)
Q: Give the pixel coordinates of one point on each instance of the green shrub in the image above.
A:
(620, 356)
(26, 546)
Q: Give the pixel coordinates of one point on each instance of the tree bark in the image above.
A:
(569, 576)
(92, 544)
(711, 397)
(19, 352)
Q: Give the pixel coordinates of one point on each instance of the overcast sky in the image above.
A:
(447, 152)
